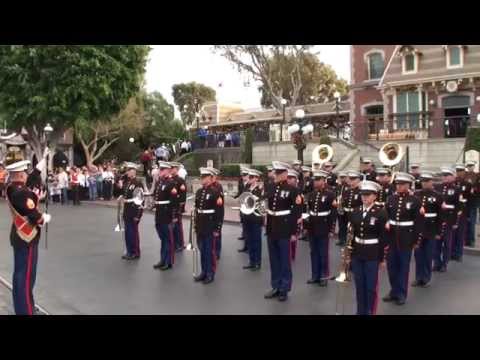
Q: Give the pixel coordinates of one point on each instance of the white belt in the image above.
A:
(449, 206)
(430, 215)
(463, 200)
(128, 200)
(366, 241)
(208, 211)
(323, 213)
(400, 223)
(348, 209)
(379, 203)
(279, 213)
(164, 202)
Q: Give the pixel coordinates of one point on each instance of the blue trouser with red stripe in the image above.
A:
(132, 237)
(319, 257)
(167, 247)
(218, 244)
(254, 240)
(208, 257)
(366, 285)
(458, 239)
(178, 233)
(280, 263)
(398, 265)
(24, 275)
(423, 260)
(442, 248)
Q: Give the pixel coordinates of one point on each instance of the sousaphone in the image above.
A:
(321, 154)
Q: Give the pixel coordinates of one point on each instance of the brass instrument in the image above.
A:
(120, 204)
(250, 204)
(340, 210)
(345, 276)
(192, 243)
(390, 155)
(321, 154)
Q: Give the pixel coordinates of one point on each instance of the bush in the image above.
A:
(472, 140)
(247, 146)
(230, 170)
(261, 168)
(324, 138)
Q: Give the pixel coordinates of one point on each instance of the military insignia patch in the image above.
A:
(30, 204)
(408, 205)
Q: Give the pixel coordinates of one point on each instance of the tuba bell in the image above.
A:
(321, 154)
(250, 204)
(391, 154)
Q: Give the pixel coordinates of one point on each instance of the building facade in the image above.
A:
(414, 92)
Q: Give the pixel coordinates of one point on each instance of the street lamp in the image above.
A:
(298, 132)
(284, 103)
(195, 103)
(47, 130)
(337, 96)
(131, 140)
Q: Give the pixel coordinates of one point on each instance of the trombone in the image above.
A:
(193, 244)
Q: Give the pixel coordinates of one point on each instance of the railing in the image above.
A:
(215, 140)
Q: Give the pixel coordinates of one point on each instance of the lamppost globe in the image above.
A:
(299, 114)
(336, 95)
(283, 102)
(48, 128)
(132, 140)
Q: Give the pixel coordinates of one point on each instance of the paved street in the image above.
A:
(82, 273)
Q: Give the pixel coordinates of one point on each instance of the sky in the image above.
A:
(172, 64)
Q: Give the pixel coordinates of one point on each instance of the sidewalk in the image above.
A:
(6, 306)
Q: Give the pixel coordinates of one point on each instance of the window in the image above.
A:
(408, 108)
(409, 63)
(374, 115)
(375, 66)
(454, 56)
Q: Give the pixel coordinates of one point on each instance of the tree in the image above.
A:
(257, 61)
(161, 125)
(319, 81)
(97, 137)
(190, 97)
(65, 84)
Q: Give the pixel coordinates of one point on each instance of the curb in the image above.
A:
(9, 287)
(230, 222)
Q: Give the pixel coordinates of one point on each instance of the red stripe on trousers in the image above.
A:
(375, 302)
(27, 281)
(172, 242)
(137, 240)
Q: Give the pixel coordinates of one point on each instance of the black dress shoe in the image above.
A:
(313, 281)
(425, 284)
(180, 249)
(323, 283)
(135, 257)
(241, 238)
(158, 265)
(443, 269)
(125, 257)
(249, 266)
(242, 250)
(166, 267)
(208, 280)
(282, 296)
(255, 268)
(272, 294)
(199, 278)
(400, 301)
(389, 298)
(435, 269)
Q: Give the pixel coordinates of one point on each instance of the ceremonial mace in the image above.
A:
(47, 130)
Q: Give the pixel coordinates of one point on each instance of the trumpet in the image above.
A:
(192, 243)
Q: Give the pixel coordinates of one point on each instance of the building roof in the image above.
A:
(16, 141)
(432, 65)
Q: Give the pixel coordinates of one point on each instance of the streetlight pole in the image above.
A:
(298, 132)
(47, 130)
(337, 110)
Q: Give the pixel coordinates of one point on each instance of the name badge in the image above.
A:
(356, 196)
(323, 198)
(163, 187)
(408, 205)
(373, 220)
(463, 188)
(207, 197)
(451, 191)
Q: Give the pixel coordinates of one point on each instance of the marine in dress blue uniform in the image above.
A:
(473, 178)
(253, 224)
(25, 232)
(415, 172)
(321, 204)
(403, 211)
(281, 230)
(431, 203)
(181, 186)
(367, 170)
(132, 213)
(368, 247)
(386, 186)
(292, 180)
(219, 188)
(242, 187)
(460, 234)
(166, 207)
(449, 218)
(350, 200)
(208, 224)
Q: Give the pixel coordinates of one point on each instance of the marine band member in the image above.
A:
(415, 172)
(216, 184)
(367, 170)
(386, 187)
(242, 187)
(292, 180)
(321, 227)
(181, 186)
(459, 235)
(25, 231)
(350, 200)
(368, 248)
(473, 178)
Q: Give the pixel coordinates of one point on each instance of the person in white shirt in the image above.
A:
(63, 185)
(108, 183)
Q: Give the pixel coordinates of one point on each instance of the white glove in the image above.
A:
(46, 152)
(42, 164)
(46, 218)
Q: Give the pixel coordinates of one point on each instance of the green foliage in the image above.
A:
(190, 97)
(247, 146)
(472, 140)
(161, 125)
(230, 170)
(61, 84)
(261, 168)
(122, 150)
(318, 80)
(324, 138)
